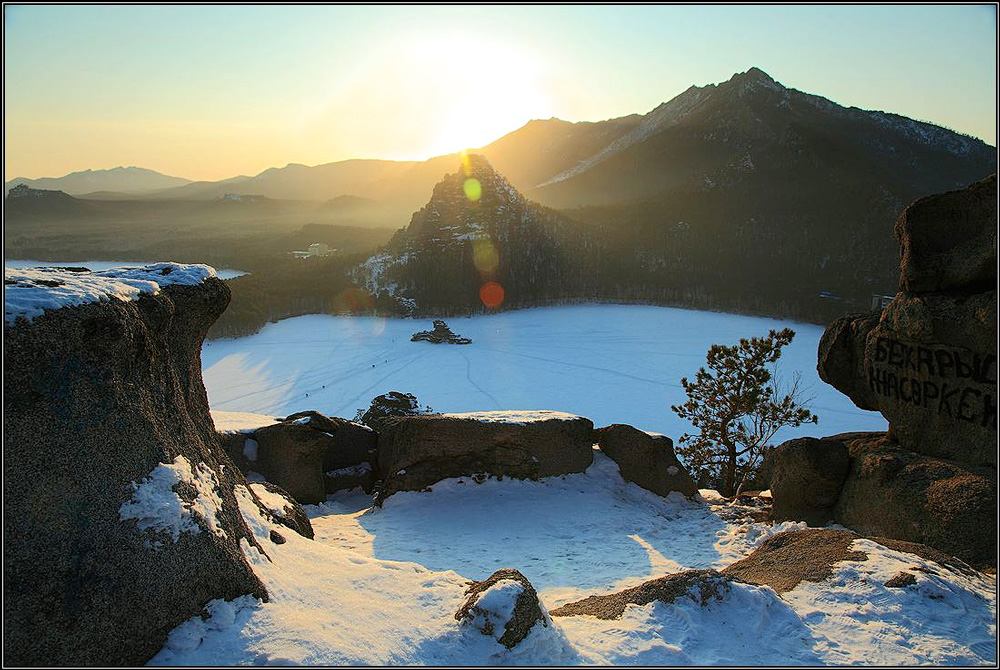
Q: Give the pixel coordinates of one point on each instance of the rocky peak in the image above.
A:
(754, 77)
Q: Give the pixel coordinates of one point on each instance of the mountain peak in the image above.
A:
(752, 79)
(474, 165)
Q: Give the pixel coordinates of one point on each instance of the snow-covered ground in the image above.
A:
(609, 363)
(381, 587)
(101, 265)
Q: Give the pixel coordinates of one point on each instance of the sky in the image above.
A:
(210, 92)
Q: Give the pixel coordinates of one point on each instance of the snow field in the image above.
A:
(609, 363)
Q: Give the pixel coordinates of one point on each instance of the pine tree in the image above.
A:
(737, 409)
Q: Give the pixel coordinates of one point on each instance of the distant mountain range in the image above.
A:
(116, 181)
(748, 126)
(744, 195)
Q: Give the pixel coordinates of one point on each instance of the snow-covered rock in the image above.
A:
(119, 511)
(503, 606)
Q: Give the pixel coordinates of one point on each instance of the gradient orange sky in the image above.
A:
(211, 92)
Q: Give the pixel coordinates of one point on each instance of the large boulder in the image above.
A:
(806, 477)
(503, 606)
(932, 362)
(929, 366)
(417, 451)
(646, 459)
(120, 519)
(929, 362)
(307, 454)
(705, 585)
(893, 492)
(949, 240)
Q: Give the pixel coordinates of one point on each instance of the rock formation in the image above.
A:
(504, 606)
(806, 479)
(120, 519)
(308, 454)
(646, 459)
(417, 451)
(441, 334)
(894, 492)
(283, 508)
(928, 363)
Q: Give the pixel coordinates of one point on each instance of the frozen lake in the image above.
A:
(102, 265)
(610, 363)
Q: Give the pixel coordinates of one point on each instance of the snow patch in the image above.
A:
(514, 416)
(352, 470)
(28, 292)
(240, 422)
(155, 505)
(495, 607)
(273, 501)
(250, 449)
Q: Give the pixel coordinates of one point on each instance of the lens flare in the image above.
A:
(355, 301)
(491, 293)
(485, 256)
(473, 189)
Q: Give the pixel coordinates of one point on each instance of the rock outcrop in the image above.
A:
(894, 492)
(709, 585)
(308, 454)
(806, 478)
(949, 241)
(646, 459)
(786, 559)
(417, 451)
(120, 519)
(928, 363)
(504, 606)
(440, 335)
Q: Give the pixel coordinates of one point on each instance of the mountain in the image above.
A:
(131, 180)
(748, 129)
(478, 242)
(751, 128)
(29, 205)
(744, 196)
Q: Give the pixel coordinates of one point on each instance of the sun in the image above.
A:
(481, 90)
(425, 95)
